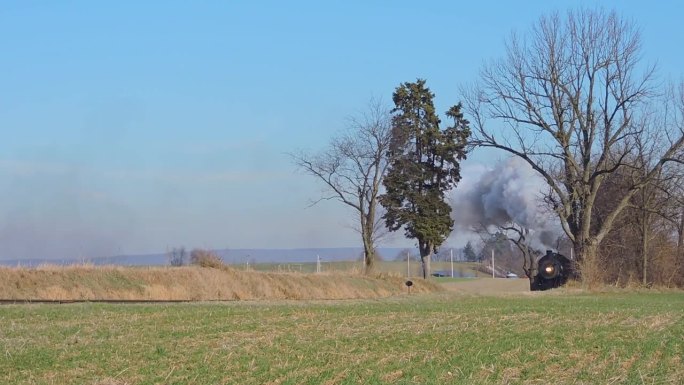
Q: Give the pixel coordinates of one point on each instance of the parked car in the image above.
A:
(441, 274)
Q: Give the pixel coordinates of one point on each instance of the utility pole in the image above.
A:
(451, 251)
(493, 263)
(408, 264)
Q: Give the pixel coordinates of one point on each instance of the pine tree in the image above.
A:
(469, 252)
(425, 165)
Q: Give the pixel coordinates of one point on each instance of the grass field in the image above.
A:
(539, 338)
(461, 269)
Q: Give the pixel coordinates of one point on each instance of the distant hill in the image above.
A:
(229, 256)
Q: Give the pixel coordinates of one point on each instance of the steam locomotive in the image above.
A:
(553, 270)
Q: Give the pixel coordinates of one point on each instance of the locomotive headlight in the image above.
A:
(549, 269)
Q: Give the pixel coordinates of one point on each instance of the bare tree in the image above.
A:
(520, 237)
(654, 203)
(568, 99)
(177, 256)
(352, 168)
(641, 246)
(659, 206)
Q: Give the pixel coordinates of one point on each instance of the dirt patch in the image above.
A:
(490, 286)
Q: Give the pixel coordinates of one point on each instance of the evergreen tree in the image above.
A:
(469, 252)
(425, 165)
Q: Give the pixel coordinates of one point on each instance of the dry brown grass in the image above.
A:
(192, 283)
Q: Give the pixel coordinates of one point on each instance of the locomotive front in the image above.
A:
(553, 270)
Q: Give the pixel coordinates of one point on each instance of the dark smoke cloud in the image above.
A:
(511, 192)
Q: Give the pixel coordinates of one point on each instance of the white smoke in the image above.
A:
(511, 192)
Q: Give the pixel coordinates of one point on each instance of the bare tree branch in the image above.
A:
(569, 99)
(352, 168)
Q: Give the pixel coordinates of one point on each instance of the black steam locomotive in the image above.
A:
(553, 270)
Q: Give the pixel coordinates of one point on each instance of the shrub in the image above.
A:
(205, 258)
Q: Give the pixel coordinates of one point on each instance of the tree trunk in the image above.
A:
(425, 260)
(367, 222)
(425, 254)
(680, 243)
(644, 246)
(680, 234)
(588, 263)
(528, 264)
(369, 256)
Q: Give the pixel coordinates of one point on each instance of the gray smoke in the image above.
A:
(511, 192)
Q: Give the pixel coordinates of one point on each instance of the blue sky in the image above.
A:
(134, 126)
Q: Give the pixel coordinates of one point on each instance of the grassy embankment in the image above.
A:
(340, 280)
(193, 283)
(540, 338)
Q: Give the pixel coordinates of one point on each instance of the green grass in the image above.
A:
(549, 338)
(449, 279)
(396, 267)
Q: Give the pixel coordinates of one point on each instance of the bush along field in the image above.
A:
(444, 338)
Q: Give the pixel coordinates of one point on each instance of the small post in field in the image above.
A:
(363, 267)
(493, 263)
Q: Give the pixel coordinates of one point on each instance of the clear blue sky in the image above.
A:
(133, 126)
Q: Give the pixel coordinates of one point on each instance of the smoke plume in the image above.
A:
(509, 193)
